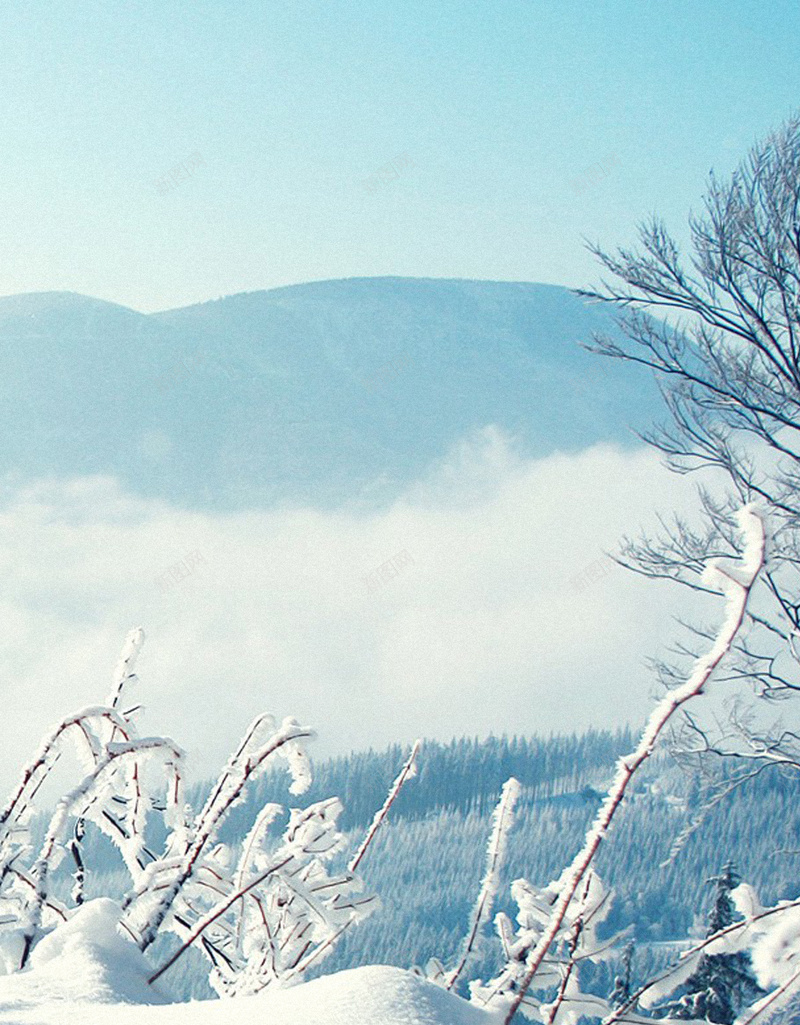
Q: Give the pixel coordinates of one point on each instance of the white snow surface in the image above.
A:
(88, 973)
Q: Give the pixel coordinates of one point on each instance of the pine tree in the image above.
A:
(621, 993)
(722, 983)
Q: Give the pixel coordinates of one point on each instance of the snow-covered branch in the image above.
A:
(736, 583)
(408, 771)
(502, 821)
(264, 916)
(249, 760)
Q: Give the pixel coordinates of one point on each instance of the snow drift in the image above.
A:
(87, 973)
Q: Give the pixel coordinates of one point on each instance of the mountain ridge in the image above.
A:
(324, 393)
(59, 293)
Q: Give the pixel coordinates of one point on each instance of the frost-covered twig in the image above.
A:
(736, 585)
(771, 1002)
(123, 672)
(252, 841)
(287, 919)
(242, 768)
(291, 911)
(217, 912)
(503, 819)
(50, 902)
(42, 763)
(575, 942)
(408, 772)
(80, 869)
(265, 918)
(78, 798)
(671, 978)
(106, 741)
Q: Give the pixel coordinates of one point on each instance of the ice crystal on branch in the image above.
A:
(262, 914)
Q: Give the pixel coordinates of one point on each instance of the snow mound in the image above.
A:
(87, 959)
(87, 972)
(376, 995)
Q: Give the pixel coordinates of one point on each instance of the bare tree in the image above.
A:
(720, 328)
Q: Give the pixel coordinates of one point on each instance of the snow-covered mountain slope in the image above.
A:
(335, 392)
(86, 973)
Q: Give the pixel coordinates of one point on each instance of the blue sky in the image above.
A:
(525, 126)
(515, 129)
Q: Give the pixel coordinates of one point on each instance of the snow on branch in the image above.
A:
(408, 771)
(288, 909)
(502, 821)
(82, 801)
(575, 941)
(262, 915)
(529, 966)
(244, 767)
(86, 725)
(123, 673)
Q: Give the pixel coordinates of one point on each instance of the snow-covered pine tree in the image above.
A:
(621, 992)
(722, 983)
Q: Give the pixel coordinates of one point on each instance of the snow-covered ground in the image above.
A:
(86, 973)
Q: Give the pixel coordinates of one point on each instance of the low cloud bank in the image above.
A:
(482, 602)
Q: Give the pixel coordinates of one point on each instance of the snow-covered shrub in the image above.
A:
(557, 975)
(557, 924)
(261, 915)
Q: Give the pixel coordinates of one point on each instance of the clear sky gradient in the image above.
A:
(525, 126)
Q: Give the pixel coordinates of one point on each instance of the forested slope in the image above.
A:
(427, 862)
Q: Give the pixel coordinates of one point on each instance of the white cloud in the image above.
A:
(504, 614)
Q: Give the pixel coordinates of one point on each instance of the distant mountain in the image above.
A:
(332, 392)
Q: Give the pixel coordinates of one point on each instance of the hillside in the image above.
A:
(331, 392)
(427, 862)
